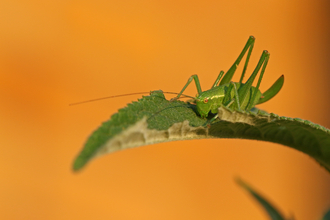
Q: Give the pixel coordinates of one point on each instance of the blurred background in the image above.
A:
(53, 53)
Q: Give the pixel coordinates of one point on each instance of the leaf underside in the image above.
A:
(153, 119)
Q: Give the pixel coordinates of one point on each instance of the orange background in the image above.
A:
(53, 53)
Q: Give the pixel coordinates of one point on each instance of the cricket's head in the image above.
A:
(203, 107)
(209, 100)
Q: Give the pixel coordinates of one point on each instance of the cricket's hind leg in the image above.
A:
(230, 73)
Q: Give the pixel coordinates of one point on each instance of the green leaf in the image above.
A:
(326, 216)
(269, 208)
(153, 119)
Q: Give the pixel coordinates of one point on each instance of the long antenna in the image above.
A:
(115, 96)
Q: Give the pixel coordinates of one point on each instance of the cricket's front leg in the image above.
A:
(198, 86)
(208, 123)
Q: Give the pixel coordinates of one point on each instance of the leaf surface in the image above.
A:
(153, 119)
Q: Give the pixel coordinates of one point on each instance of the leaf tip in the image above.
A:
(78, 164)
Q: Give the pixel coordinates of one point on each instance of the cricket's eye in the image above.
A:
(206, 100)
